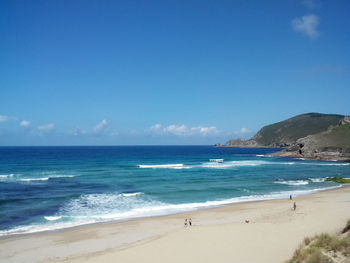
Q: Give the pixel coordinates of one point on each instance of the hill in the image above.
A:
(289, 131)
(310, 135)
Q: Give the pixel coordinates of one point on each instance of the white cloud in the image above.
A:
(24, 123)
(4, 118)
(46, 128)
(114, 133)
(310, 4)
(183, 130)
(205, 130)
(156, 128)
(77, 132)
(244, 131)
(100, 127)
(307, 25)
(176, 129)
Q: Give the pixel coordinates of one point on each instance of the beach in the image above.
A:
(218, 234)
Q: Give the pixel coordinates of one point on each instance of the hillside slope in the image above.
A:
(333, 144)
(289, 131)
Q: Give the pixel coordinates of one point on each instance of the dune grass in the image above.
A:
(324, 248)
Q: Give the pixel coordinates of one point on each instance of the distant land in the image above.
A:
(311, 136)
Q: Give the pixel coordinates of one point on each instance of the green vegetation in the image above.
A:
(339, 136)
(338, 180)
(323, 248)
(289, 131)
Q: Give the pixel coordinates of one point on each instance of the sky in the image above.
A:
(167, 72)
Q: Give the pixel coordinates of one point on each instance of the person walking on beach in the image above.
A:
(190, 222)
(185, 222)
(290, 197)
(294, 206)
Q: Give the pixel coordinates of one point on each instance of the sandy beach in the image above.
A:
(217, 235)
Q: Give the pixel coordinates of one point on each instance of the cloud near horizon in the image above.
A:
(47, 127)
(183, 130)
(24, 123)
(101, 126)
(4, 118)
(307, 25)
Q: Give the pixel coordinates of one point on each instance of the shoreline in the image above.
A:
(104, 239)
(116, 221)
(321, 156)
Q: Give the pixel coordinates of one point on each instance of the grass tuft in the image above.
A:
(322, 248)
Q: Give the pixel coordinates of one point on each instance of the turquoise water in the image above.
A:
(46, 188)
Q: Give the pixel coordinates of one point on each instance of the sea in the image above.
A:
(52, 188)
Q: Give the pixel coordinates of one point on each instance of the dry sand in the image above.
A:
(217, 235)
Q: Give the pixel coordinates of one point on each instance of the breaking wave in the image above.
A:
(317, 180)
(94, 208)
(30, 178)
(292, 182)
(173, 166)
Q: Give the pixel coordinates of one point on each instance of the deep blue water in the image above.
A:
(43, 188)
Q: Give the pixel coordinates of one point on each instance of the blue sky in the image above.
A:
(167, 72)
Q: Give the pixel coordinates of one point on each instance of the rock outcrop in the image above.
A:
(312, 136)
(333, 144)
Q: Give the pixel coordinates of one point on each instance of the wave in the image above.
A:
(173, 166)
(33, 179)
(94, 208)
(6, 175)
(260, 155)
(292, 182)
(52, 218)
(216, 160)
(326, 164)
(27, 178)
(221, 164)
(131, 194)
(231, 164)
(317, 180)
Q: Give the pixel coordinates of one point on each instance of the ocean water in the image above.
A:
(47, 188)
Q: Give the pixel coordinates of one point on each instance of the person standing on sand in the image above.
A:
(294, 206)
(185, 222)
(290, 197)
(190, 221)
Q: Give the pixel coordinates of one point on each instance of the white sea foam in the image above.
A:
(216, 160)
(326, 164)
(131, 194)
(52, 218)
(106, 207)
(260, 155)
(292, 182)
(33, 179)
(28, 178)
(174, 166)
(6, 175)
(229, 164)
(317, 180)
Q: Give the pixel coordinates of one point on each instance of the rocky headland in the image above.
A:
(311, 136)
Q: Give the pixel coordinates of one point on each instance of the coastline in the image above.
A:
(106, 242)
(321, 156)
